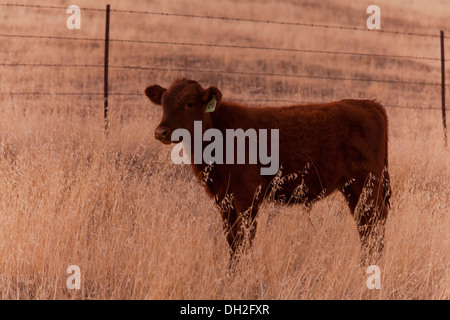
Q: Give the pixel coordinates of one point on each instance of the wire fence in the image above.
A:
(228, 46)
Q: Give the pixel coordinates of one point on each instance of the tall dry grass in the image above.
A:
(140, 227)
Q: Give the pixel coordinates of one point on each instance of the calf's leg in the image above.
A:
(367, 203)
(239, 225)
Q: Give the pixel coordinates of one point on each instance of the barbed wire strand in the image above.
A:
(244, 73)
(250, 73)
(135, 94)
(228, 46)
(38, 6)
(186, 15)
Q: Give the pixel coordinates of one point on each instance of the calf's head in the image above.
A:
(184, 102)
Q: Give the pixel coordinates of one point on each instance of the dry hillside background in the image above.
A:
(140, 227)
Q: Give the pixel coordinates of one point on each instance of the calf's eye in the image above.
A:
(190, 105)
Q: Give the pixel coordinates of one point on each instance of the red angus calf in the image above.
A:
(343, 143)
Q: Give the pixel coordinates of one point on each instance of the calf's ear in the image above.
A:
(154, 93)
(210, 92)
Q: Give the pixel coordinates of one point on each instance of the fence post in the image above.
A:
(106, 67)
(444, 121)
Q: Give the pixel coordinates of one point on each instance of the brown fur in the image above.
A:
(338, 141)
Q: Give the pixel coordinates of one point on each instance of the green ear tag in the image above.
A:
(211, 104)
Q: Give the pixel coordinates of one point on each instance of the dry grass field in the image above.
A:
(140, 227)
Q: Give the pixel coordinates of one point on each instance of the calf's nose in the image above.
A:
(162, 133)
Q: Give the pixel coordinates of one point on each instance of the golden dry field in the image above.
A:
(140, 227)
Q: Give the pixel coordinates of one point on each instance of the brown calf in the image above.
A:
(339, 145)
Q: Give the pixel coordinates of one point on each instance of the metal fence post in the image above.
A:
(444, 120)
(106, 67)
